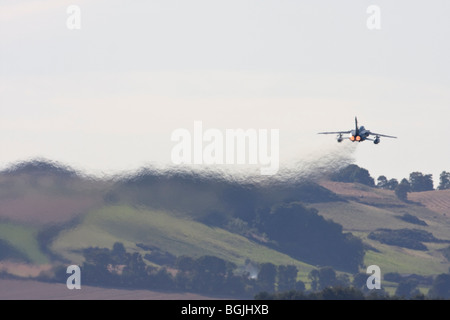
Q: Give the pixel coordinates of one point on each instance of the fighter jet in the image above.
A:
(359, 134)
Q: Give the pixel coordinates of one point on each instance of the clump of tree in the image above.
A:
(384, 183)
(273, 278)
(399, 278)
(338, 293)
(401, 191)
(412, 219)
(287, 279)
(326, 277)
(210, 275)
(406, 238)
(303, 234)
(408, 289)
(353, 173)
(420, 182)
(441, 287)
(444, 180)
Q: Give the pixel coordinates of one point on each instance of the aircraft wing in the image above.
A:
(381, 135)
(335, 132)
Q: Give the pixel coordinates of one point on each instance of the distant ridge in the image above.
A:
(40, 167)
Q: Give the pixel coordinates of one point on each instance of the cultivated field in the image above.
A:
(35, 290)
(47, 220)
(178, 236)
(436, 200)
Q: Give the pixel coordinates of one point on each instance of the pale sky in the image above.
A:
(106, 97)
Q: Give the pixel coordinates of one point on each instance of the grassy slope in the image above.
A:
(176, 235)
(23, 238)
(366, 210)
(363, 214)
(30, 203)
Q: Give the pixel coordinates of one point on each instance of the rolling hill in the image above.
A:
(50, 213)
(139, 228)
(369, 209)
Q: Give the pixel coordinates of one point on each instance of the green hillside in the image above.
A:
(374, 209)
(23, 240)
(168, 232)
(49, 217)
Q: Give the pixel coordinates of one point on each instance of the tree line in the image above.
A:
(207, 274)
(214, 276)
(327, 285)
(416, 182)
